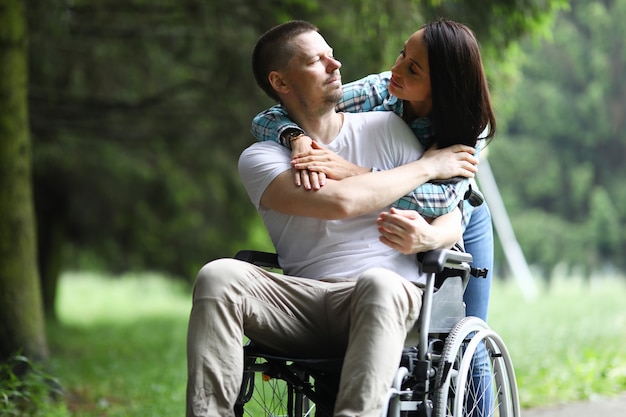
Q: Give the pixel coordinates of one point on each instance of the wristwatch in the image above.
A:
(292, 135)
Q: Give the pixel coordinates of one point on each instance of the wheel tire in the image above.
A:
(472, 344)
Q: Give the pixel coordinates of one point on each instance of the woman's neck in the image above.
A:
(412, 110)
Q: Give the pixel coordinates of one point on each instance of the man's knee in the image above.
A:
(384, 288)
(219, 277)
(382, 284)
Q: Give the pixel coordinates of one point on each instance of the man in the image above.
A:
(359, 296)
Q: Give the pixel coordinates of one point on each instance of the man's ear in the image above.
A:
(277, 82)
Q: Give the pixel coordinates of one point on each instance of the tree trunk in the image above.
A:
(21, 313)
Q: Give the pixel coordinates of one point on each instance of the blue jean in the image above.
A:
(478, 239)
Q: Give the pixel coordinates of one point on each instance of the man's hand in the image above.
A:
(450, 162)
(406, 231)
(327, 163)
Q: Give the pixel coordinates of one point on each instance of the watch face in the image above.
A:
(294, 135)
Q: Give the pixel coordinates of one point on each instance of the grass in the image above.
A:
(120, 350)
(120, 347)
(569, 343)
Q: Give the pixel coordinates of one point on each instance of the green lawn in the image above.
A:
(569, 343)
(120, 348)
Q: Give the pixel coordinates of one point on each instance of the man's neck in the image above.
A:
(322, 128)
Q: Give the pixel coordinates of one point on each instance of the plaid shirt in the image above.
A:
(371, 93)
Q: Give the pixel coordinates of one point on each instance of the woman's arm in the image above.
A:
(367, 94)
(271, 124)
(434, 199)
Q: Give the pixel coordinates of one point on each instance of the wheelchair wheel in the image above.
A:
(476, 376)
(265, 393)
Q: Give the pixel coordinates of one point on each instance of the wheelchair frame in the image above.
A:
(434, 378)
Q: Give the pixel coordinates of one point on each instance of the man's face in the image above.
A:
(312, 75)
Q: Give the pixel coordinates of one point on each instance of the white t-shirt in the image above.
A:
(317, 248)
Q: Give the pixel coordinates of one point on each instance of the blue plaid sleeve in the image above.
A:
(270, 125)
(435, 199)
(369, 94)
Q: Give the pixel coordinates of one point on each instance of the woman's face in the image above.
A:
(410, 75)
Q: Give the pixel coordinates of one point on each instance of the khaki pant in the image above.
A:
(366, 319)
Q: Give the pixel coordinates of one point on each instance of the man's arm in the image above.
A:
(431, 199)
(365, 193)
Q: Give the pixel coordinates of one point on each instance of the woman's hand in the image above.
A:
(450, 162)
(303, 177)
(327, 163)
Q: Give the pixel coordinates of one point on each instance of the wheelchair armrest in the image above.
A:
(433, 262)
(258, 258)
(436, 260)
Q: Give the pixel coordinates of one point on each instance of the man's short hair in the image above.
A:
(273, 51)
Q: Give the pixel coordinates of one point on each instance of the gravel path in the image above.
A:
(601, 407)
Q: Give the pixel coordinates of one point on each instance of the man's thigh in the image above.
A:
(298, 315)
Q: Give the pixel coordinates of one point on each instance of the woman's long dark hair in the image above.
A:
(461, 102)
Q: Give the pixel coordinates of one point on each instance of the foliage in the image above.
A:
(27, 390)
(559, 159)
(139, 111)
(499, 23)
(136, 139)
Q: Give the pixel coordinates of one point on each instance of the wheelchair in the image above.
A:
(452, 365)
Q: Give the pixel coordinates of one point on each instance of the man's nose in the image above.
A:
(333, 64)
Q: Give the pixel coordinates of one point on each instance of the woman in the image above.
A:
(438, 86)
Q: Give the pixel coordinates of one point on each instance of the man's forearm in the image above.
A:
(365, 193)
(349, 197)
(377, 190)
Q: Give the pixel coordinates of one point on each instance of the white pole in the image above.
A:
(512, 250)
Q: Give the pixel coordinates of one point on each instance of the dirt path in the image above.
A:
(601, 407)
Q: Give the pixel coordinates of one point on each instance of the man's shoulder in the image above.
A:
(385, 123)
(265, 152)
(374, 117)
(259, 164)
(263, 147)
(384, 133)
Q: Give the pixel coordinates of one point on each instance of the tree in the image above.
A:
(561, 151)
(136, 137)
(139, 111)
(21, 315)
